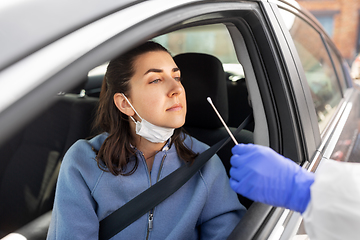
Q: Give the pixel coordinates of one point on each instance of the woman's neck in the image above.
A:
(149, 149)
(146, 147)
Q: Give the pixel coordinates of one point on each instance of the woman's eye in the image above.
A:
(155, 81)
(178, 79)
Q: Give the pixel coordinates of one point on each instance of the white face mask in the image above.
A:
(150, 131)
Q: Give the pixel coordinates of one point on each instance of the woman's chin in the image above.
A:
(177, 124)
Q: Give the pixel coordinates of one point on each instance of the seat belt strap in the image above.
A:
(147, 200)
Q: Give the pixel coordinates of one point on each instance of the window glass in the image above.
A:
(210, 39)
(327, 21)
(339, 69)
(358, 35)
(319, 71)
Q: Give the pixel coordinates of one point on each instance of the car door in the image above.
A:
(329, 95)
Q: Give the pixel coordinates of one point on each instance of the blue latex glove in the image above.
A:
(261, 174)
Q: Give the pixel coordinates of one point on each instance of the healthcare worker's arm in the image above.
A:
(263, 175)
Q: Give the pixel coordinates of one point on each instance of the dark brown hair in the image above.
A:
(114, 154)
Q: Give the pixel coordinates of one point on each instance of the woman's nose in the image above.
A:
(175, 87)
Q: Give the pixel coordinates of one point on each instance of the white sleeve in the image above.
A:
(334, 209)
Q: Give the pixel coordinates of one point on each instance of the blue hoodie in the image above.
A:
(203, 208)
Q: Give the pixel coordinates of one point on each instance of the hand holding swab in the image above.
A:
(226, 127)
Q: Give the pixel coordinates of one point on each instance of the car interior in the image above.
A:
(31, 160)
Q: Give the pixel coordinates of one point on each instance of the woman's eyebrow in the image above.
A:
(153, 70)
(156, 70)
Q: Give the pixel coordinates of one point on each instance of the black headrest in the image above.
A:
(203, 76)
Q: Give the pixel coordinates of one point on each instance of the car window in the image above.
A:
(338, 68)
(210, 39)
(204, 77)
(320, 74)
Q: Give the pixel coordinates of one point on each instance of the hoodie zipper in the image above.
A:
(151, 213)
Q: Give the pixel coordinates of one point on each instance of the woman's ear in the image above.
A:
(123, 105)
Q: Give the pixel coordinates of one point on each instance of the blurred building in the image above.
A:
(340, 19)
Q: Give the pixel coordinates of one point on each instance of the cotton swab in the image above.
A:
(226, 127)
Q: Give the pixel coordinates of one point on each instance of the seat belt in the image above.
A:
(154, 195)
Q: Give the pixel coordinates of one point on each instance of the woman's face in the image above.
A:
(156, 91)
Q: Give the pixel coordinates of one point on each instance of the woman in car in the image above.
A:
(142, 108)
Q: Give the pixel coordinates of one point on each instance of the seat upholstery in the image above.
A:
(31, 160)
(239, 107)
(203, 76)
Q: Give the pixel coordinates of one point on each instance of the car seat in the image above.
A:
(203, 76)
(239, 106)
(30, 161)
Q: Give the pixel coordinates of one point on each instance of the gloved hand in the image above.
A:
(261, 174)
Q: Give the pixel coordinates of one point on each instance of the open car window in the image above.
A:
(210, 39)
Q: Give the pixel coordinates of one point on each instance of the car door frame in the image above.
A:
(303, 118)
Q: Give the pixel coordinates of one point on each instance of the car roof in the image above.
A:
(26, 26)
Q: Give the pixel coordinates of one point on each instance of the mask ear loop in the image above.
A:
(132, 108)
